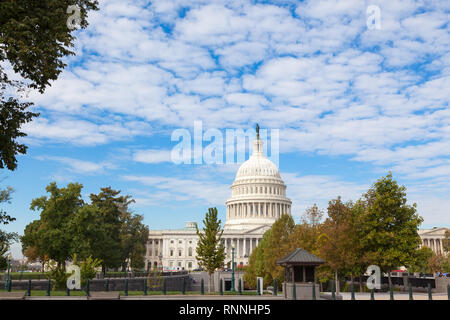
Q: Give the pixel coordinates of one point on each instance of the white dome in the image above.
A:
(257, 167)
(258, 194)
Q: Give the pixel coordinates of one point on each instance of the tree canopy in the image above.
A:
(380, 228)
(210, 251)
(34, 40)
(104, 229)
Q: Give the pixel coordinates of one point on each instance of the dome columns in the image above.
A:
(257, 209)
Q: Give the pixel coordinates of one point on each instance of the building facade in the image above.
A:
(432, 238)
(258, 198)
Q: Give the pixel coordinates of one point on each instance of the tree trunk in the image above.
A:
(210, 280)
(338, 287)
(389, 277)
(352, 280)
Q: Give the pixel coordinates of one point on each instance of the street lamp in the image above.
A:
(7, 274)
(232, 268)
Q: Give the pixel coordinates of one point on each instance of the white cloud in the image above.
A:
(152, 156)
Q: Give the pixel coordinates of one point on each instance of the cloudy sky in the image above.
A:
(351, 103)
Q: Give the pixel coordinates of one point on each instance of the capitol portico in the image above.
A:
(258, 198)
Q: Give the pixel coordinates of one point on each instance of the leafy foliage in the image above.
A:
(57, 211)
(58, 275)
(389, 226)
(275, 243)
(103, 231)
(210, 252)
(6, 238)
(34, 39)
(380, 228)
(88, 267)
(13, 115)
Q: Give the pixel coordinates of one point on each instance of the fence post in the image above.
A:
(164, 286)
(107, 284)
(202, 287)
(183, 288)
(391, 293)
(314, 291)
(240, 287)
(9, 284)
(29, 288)
(410, 292)
(220, 287)
(275, 287)
(372, 295)
(145, 287)
(48, 287)
(67, 291)
(87, 288)
(333, 293)
(294, 292)
(429, 292)
(126, 286)
(258, 287)
(353, 291)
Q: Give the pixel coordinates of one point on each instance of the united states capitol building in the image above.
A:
(258, 198)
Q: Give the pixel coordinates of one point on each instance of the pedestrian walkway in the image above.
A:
(397, 296)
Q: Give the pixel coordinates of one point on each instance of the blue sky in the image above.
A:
(351, 103)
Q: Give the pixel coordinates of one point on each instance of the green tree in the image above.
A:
(109, 207)
(210, 251)
(255, 267)
(389, 226)
(338, 239)
(31, 243)
(34, 40)
(6, 238)
(88, 267)
(134, 237)
(275, 243)
(55, 235)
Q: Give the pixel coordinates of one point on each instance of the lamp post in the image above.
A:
(7, 274)
(232, 267)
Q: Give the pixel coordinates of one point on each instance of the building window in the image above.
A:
(171, 263)
(171, 241)
(179, 263)
(180, 242)
(190, 265)
(156, 252)
(171, 252)
(190, 242)
(190, 252)
(179, 253)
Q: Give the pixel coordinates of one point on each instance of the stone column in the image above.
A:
(244, 247)
(238, 248)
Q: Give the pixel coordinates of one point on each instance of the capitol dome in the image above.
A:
(258, 194)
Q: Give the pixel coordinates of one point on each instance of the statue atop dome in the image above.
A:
(257, 131)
